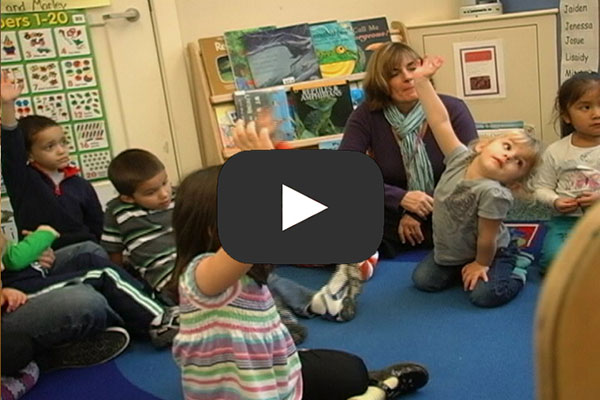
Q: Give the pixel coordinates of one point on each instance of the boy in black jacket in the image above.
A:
(43, 187)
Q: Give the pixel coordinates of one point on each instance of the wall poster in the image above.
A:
(480, 69)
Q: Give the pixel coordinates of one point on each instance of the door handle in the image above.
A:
(131, 15)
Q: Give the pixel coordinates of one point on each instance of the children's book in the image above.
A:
(268, 108)
(217, 65)
(237, 57)
(357, 93)
(370, 34)
(335, 47)
(321, 110)
(226, 117)
(281, 56)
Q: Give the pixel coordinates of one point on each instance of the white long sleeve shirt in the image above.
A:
(567, 171)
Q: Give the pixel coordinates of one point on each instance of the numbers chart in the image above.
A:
(51, 55)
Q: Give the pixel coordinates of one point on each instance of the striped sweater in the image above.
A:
(146, 235)
(233, 346)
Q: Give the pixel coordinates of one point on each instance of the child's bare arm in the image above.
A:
(9, 91)
(216, 273)
(435, 111)
(486, 240)
(486, 250)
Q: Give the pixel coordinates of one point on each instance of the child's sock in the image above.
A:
(372, 393)
(15, 387)
(523, 262)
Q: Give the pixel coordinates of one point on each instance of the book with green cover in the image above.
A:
(335, 47)
(236, 49)
(321, 110)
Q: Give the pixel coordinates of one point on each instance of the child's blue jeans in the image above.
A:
(502, 285)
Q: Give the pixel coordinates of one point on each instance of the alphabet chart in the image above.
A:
(51, 54)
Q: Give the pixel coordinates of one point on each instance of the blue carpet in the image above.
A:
(471, 353)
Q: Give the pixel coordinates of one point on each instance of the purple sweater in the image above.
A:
(370, 130)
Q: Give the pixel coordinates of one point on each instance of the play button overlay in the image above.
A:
(296, 207)
(300, 207)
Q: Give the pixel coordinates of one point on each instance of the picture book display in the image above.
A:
(226, 117)
(217, 65)
(268, 108)
(321, 110)
(236, 48)
(281, 56)
(51, 55)
(335, 47)
(370, 34)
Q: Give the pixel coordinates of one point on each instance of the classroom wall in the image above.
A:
(213, 17)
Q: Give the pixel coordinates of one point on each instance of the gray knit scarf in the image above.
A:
(414, 156)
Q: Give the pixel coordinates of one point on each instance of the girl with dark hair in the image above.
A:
(231, 342)
(568, 179)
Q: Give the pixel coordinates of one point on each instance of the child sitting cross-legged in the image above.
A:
(138, 223)
(232, 343)
(472, 245)
(140, 313)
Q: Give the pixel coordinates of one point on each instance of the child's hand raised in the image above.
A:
(9, 90)
(428, 67)
(246, 138)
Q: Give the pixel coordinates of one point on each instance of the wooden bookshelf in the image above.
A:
(213, 152)
(228, 98)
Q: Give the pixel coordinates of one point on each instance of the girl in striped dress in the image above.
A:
(231, 343)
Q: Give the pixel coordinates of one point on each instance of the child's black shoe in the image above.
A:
(410, 377)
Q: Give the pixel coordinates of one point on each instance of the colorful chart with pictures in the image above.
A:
(51, 55)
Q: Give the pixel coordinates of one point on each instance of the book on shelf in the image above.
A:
(370, 34)
(237, 57)
(281, 56)
(357, 93)
(335, 47)
(226, 116)
(217, 65)
(268, 108)
(330, 144)
(320, 109)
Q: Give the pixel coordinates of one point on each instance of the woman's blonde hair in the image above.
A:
(381, 68)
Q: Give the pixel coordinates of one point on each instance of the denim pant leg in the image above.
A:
(67, 253)
(432, 277)
(61, 316)
(558, 229)
(502, 286)
(293, 294)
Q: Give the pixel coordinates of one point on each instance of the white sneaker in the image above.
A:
(337, 299)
